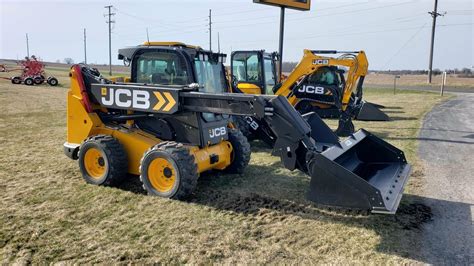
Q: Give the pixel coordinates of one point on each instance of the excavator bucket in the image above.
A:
(362, 172)
(371, 112)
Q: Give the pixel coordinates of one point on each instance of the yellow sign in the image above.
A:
(294, 4)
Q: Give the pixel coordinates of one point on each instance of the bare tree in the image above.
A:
(68, 60)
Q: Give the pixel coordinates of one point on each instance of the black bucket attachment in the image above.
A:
(377, 105)
(371, 112)
(362, 172)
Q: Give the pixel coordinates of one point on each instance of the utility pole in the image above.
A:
(218, 43)
(85, 47)
(434, 14)
(110, 21)
(27, 46)
(147, 36)
(210, 29)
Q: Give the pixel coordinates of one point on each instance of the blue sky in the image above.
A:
(394, 34)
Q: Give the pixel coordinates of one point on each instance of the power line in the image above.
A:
(405, 44)
(319, 16)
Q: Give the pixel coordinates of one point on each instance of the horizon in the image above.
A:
(395, 35)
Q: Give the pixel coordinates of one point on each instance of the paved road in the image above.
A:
(423, 88)
(447, 151)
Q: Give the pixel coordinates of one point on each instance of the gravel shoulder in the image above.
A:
(446, 151)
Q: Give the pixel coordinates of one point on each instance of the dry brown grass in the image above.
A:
(49, 214)
(418, 80)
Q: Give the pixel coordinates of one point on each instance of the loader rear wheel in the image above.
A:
(102, 161)
(240, 156)
(168, 170)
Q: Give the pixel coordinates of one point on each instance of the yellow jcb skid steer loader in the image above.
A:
(317, 84)
(170, 122)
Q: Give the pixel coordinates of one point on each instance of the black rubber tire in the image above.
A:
(181, 159)
(16, 80)
(241, 152)
(39, 80)
(29, 82)
(52, 81)
(244, 127)
(115, 160)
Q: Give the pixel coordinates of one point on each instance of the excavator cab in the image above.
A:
(253, 72)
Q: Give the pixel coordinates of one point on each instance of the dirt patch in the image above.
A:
(413, 216)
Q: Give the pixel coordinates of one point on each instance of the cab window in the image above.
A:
(324, 76)
(210, 76)
(270, 80)
(246, 67)
(161, 68)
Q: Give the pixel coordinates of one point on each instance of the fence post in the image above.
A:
(395, 83)
(443, 83)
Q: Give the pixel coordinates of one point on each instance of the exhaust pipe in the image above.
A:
(362, 172)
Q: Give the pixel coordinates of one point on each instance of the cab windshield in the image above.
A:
(162, 68)
(210, 76)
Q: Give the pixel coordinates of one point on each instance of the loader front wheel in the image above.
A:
(240, 156)
(168, 170)
(102, 161)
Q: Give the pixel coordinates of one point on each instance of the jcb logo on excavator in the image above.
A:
(320, 62)
(311, 89)
(217, 132)
(121, 97)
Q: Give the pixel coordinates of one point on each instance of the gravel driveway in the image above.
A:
(447, 153)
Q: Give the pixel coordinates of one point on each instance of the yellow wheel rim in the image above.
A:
(162, 175)
(94, 163)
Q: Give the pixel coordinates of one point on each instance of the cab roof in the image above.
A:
(190, 49)
(172, 44)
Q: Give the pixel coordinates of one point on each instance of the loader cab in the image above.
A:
(254, 72)
(173, 63)
(180, 65)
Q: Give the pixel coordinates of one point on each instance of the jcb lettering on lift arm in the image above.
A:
(138, 98)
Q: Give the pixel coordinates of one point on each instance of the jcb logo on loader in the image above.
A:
(139, 99)
(311, 89)
(126, 98)
(217, 132)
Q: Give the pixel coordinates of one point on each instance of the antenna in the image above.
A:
(147, 37)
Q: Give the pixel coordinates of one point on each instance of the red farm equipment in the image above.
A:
(32, 73)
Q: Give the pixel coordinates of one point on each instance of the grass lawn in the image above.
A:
(48, 213)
